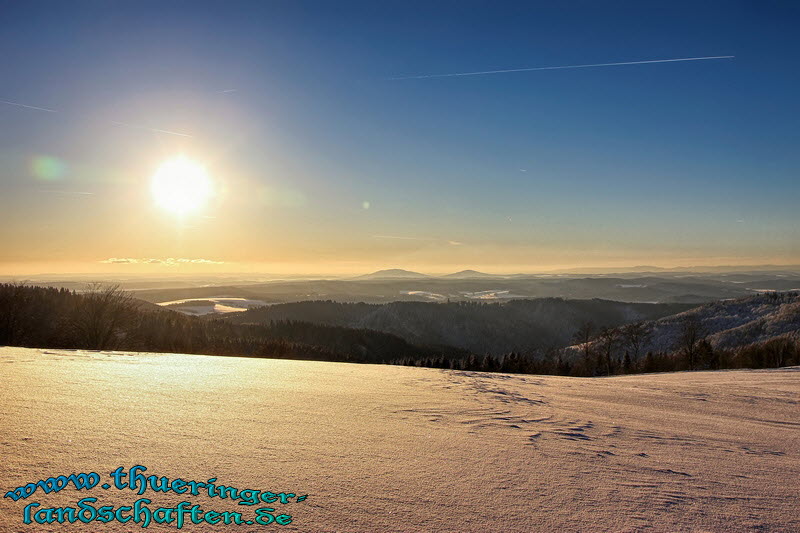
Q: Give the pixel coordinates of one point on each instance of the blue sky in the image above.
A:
(291, 106)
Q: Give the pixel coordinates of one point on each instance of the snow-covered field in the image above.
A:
(382, 448)
(205, 306)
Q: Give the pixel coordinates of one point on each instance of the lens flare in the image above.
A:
(48, 168)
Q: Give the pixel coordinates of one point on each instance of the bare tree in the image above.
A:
(608, 338)
(583, 336)
(101, 315)
(635, 336)
(690, 336)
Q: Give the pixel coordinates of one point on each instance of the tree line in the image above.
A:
(108, 318)
(774, 353)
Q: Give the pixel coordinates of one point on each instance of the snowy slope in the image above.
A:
(733, 323)
(381, 448)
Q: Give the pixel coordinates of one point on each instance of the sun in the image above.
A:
(181, 186)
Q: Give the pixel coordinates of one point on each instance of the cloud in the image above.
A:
(199, 261)
(119, 260)
(169, 261)
(560, 67)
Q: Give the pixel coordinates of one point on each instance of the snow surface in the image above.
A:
(383, 448)
(480, 295)
(218, 305)
(425, 294)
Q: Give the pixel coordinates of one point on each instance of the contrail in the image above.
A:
(452, 243)
(169, 132)
(28, 106)
(402, 238)
(561, 67)
(155, 130)
(80, 193)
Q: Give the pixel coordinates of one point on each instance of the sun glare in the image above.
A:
(181, 186)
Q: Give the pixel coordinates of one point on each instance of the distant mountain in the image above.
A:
(471, 274)
(694, 270)
(493, 328)
(614, 270)
(393, 273)
(400, 285)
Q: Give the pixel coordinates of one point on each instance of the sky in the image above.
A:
(327, 149)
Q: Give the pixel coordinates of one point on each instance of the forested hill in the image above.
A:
(105, 318)
(756, 332)
(724, 325)
(495, 328)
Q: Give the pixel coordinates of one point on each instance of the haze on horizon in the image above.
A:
(308, 138)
